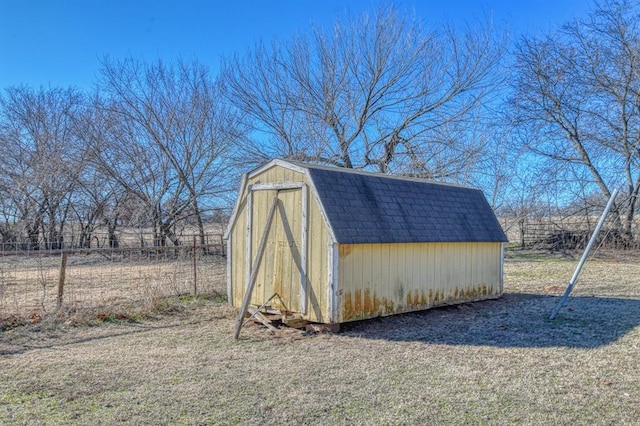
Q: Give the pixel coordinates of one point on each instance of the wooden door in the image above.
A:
(283, 267)
(287, 267)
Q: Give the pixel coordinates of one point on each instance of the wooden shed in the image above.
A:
(346, 245)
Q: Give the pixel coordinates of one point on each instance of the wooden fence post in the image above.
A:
(63, 273)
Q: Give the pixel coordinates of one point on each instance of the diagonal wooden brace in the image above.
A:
(254, 269)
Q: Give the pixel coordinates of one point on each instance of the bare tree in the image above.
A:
(577, 101)
(97, 204)
(153, 194)
(376, 92)
(41, 158)
(172, 143)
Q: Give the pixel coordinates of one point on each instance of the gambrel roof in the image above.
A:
(364, 207)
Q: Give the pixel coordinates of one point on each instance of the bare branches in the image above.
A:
(576, 97)
(41, 159)
(151, 147)
(175, 134)
(369, 92)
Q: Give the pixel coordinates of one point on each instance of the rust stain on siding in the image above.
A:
(357, 305)
(348, 306)
(363, 304)
(471, 293)
(346, 249)
(387, 305)
(417, 299)
(368, 303)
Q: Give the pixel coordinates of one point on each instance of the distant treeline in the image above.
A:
(546, 122)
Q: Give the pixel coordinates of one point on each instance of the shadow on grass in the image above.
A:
(42, 340)
(515, 320)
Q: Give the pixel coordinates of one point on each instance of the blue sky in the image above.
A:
(61, 42)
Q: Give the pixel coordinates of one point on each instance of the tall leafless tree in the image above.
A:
(380, 91)
(41, 159)
(577, 101)
(98, 202)
(173, 138)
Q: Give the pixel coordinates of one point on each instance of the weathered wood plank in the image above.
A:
(254, 271)
(257, 315)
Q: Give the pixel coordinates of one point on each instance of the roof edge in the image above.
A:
(277, 162)
(303, 165)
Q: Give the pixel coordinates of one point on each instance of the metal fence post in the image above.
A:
(583, 259)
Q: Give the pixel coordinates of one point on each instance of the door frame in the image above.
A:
(303, 241)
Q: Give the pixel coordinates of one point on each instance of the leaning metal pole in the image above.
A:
(584, 256)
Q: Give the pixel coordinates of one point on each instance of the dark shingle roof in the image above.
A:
(374, 208)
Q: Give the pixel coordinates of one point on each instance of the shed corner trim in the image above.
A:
(236, 206)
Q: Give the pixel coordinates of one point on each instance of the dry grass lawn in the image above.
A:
(29, 284)
(494, 362)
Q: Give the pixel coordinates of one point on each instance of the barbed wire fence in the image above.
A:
(34, 283)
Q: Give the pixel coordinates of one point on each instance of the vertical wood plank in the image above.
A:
(248, 237)
(254, 269)
(304, 249)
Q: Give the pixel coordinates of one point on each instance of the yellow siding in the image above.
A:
(383, 279)
(317, 265)
(276, 275)
(373, 279)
